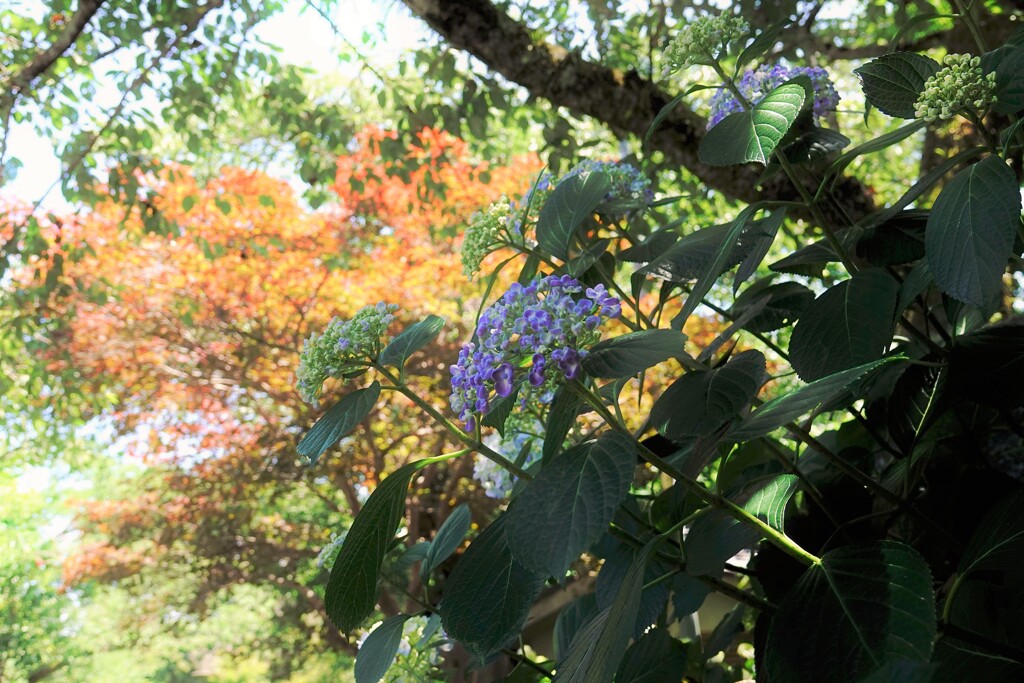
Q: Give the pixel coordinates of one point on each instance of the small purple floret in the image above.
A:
(543, 327)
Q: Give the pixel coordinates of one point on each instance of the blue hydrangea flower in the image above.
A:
(534, 335)
(755, 85)
(496, 481)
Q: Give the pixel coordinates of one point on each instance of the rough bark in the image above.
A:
(625, 101)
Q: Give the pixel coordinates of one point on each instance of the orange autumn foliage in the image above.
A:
(197, 333)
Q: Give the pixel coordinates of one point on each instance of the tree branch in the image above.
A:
(42, 62)
(625, 101)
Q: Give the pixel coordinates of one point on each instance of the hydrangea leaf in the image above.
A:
(338, 422)
(1010, 81)
(447, 539)
(489, 593)
(892, 83)
(784, 409)
(999, 541)
(378, 651)
(412, 338)
(786, 303)
(597, 649)
(971, 229)
(656, 657)
(753, 135)
(567, 507)
(565, 408)
(571, 619)
(849, 325)
(714, 536)
(632, 353)
(861, 609)
(570, 203)
(699, 402)
(352, 587)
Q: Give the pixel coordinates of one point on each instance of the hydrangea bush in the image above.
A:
(842, 463)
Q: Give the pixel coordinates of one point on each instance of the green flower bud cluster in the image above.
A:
(345, 347)
(961, 84)
(703, 40)
(482, 235)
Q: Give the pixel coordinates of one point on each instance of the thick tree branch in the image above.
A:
(42, 62)
(623, 100)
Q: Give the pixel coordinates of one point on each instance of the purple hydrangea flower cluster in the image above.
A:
(627, 182)
(535, 334)
(755, 85)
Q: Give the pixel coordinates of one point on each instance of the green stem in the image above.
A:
(948, 605)
(717, 585)
(774, 537)
(469, 439)
(968, 18)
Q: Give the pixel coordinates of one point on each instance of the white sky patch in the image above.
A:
(381, 32)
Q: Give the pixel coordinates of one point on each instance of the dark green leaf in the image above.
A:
(897, 240)
(763, 42)
(987, 365)
(875, 145)
(715, 536)
(632, 353)
(687, 258)
(848, 325)
(569, 505)
(651, 248)
(893, 82)
(999, 540)
(725, 632)
(712, 539)
(565, 408)
(688, 594)
(656, 657)
(618, 558)
(571, 202)
(913, 403)
(810, 260)
(579, 265)
(447, 539)
(710, 274)
(571, 619)
(501, 408)
(378, 651)
(352, 588)
(339, 421)
(814, 145)
(861, 609)
(914, 284)
(412, 338)
(785, 409)
(787, 301)
(489, 593)
(1010, 80)
(700, 402)
(596, 651)
(753, 135)
(410, 556)
(971, 230)
(766, 229)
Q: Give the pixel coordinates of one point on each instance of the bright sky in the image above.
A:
(305, 38)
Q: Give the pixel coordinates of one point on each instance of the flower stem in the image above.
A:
(456, 431)
(770, 534)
